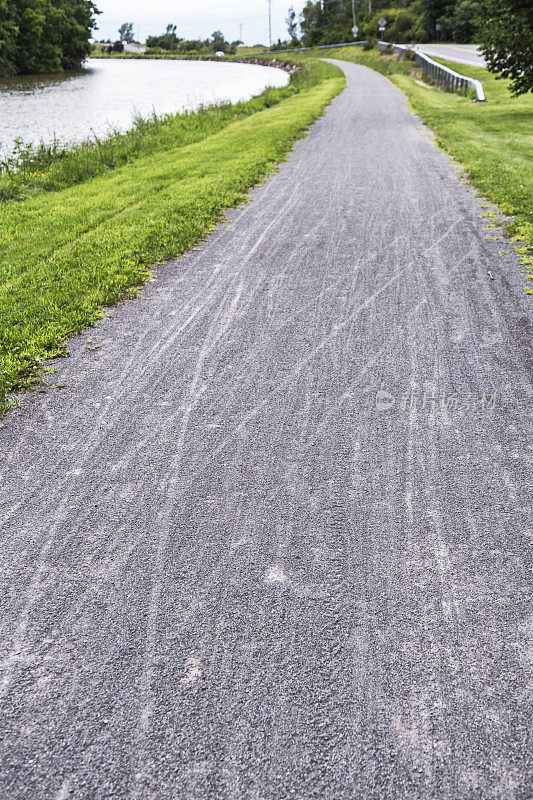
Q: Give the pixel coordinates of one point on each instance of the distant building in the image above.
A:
(133, 48)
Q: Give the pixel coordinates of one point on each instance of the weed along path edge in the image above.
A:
(270, 539)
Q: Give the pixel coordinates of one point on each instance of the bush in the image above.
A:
(507, 42)
(403, 24)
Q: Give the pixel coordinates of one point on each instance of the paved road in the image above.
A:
(460, 53)
(225, 572)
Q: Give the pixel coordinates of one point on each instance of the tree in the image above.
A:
(311, 23)
(458, 19)
(125, 32)
(37, 49)
(507, 42)
(189, 45)
(292, 26)
(78, 23)
(8, 38)
(434, 12)
(464, 21)
(331, 21)
(168, 41)
(44, 35)
(403, 24)
(218, 44)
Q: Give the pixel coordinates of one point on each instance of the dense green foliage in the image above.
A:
(172, 43)
(44, 35)
(458, 19)
(507, 41)
(125, 32)
(166, 41)
(292, 27)
(64, 255)
(505, 28)
(33, 169)
(331, 21)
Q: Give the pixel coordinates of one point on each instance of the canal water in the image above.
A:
(108, 93)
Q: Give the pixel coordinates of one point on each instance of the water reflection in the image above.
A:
(32, 83)
(108, 93)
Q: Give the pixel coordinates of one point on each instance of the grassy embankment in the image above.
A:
(491, 140)
(64, 255)
(49, 167)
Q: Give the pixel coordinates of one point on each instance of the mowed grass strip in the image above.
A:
(34, 169)
(491, 140)
(64, 256)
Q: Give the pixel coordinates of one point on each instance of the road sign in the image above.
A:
(438, 26)
(355, 30)
(382, 22)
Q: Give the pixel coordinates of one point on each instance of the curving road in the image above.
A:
(271, 538)
(459, 53)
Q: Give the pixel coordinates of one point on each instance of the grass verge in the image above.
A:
(491, 140)
(66, 255)
(33, 169)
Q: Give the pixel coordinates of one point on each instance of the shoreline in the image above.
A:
(34, 167)
(287, 66)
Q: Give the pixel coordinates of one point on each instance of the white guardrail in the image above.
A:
(446, 77)
(443, 75)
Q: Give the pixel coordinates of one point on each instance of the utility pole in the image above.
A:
(369, 6)
(270, 24)
(240, 32)
(353, 12)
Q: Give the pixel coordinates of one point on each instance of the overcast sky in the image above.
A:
(197, 19)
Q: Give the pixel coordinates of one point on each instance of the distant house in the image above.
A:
(134, 48)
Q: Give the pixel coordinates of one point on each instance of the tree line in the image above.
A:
(171, 42)
(331, 21)
(44, 35)
(503, 28)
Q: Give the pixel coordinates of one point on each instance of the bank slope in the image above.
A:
(67, 255)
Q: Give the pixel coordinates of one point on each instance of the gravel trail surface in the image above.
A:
(270, 540)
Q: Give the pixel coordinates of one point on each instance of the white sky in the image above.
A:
(197, 19)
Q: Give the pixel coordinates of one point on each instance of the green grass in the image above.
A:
(491, 140)
(67, 254)
(33, 169)
(246, 51)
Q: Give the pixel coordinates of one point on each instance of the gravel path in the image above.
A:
(230, 569)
